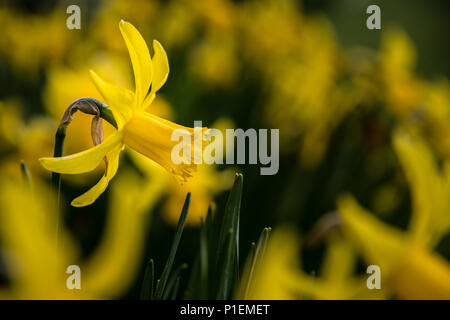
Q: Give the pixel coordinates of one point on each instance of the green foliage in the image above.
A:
(215, 273)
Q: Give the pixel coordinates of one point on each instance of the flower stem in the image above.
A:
(25, 174)
(85, 105)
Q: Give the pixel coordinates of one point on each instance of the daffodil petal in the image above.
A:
(160, 66)
(140, 59)
(160, 73)
(380, 243)
(119, 99)
(84, 161)
(148, 101)
(92, 194)
(427, 186)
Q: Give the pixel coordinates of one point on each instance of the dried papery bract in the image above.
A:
(89, 106)
(93, 107)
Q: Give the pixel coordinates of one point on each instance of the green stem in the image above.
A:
(106, 114)
(25, 174)
(56, 177)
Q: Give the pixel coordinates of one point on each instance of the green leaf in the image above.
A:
(175, 289)
(255, 256)
(25, 174)
(171, 285)
(147, 289)
(247, 270)
(204, 262)
(228, 251)
(193, 287)
(161, 285)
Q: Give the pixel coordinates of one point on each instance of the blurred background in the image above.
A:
(336, 90)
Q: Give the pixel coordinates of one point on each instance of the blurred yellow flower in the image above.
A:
(409, 267)
(28, 235)
(402, 89)
(25, 41)
(36, 267)
(214, 61)
(278, 275)
(142, 131)
(178, 24)
(23, 140)
(114, 264)
(437, 111)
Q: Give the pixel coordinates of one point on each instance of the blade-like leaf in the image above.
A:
(148, 283)
(171, 285)
(255, 257)
(175, 289)
(228, 252)
(247, 270)
(193, 287)
(160, 287)
(204, 262)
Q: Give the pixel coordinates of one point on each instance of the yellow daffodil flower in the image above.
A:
(140, 130)
(409, 267)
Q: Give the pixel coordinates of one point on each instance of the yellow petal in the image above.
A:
(160, 65)
(378, 242)
(140, 59)
(92, 194)
(84, 161)
(120, 100)
(160, 73)
(422, 275)
(339, 262)
(148, 100)
(426, 184)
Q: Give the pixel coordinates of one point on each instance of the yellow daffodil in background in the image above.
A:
(113, 266)
(421, 105)
(402, 88)
(214, 61)
(336, 279)
(306, 111)
(437, 102)
(142, 131)
(410, 268)
(278, 275)
(36, 267)
(23, 140)
(25, 39)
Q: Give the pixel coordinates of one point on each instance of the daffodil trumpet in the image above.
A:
(142, 131)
